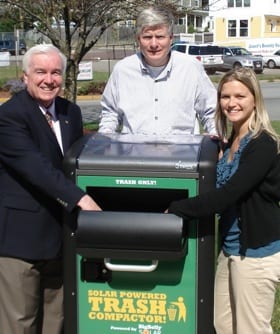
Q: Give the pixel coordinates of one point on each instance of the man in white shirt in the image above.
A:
(157, 91)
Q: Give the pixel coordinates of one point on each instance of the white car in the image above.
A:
(211, 56)
(272, 61)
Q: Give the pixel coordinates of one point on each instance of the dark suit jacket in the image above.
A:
(34, 190)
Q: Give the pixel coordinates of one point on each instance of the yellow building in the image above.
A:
(253, 24)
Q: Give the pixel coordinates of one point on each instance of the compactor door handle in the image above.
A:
(130, 267)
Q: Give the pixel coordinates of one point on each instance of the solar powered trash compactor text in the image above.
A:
(131, 268)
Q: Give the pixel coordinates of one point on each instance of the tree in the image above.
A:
(74, 26)
(6, 23)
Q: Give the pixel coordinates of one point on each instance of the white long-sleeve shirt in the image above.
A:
(164, 105)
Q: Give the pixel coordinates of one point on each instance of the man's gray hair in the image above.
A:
(42, 49)
(154, 16)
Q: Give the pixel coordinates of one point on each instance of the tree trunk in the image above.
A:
(70, 90)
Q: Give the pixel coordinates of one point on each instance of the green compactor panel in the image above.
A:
(131, 268)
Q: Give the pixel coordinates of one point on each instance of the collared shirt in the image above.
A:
(55, 122)
(136, 102)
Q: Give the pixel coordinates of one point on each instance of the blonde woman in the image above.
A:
(247, 201)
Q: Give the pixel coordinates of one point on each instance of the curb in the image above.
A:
(88, 97)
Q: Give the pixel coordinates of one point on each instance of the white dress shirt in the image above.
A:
(167, 104)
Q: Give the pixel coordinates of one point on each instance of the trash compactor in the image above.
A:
(132, 268)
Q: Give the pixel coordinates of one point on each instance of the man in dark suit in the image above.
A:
(34, 193)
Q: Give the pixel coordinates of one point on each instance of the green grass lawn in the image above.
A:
(276, 125)
(276, 313)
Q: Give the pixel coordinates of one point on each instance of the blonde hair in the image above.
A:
(259, 120)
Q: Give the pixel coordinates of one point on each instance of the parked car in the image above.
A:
(210, 55)
(272, 61)
(10, 46)
(236, 57)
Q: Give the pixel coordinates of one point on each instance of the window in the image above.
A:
(243, 28)
(232, 28)
(181, 21)
(273, 25)
(239, 3)
(198, 22)
(193, 50)
(238, 28)
(179, 47)
(210, 50)
(227, 52)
